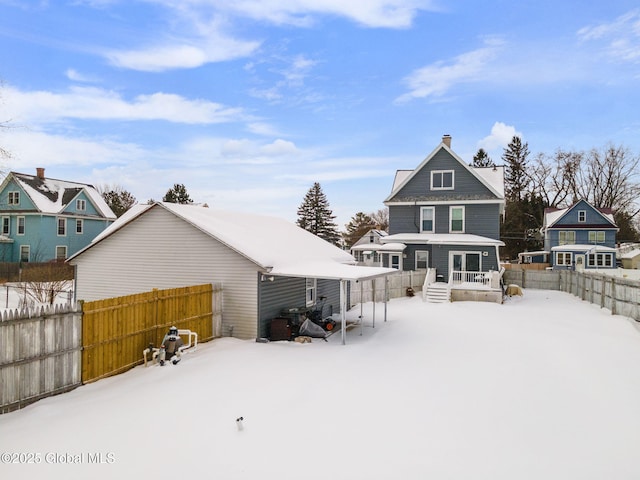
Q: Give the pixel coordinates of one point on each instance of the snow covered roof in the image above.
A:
(491, 177)
(631, 254)
(53, 196)
(582, 248)
(552, 215)
(285, 249)
(442, 239)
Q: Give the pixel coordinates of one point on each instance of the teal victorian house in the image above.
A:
(44, 219)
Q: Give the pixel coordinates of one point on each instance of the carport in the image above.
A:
(337, 271)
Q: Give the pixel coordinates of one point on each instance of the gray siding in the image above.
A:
(159, 250)
(286, 292)
(467, 186)
(480, 219)
(282, 292)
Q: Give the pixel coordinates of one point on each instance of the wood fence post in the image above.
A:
(613, 295)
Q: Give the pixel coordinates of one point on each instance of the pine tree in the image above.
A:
(315, 216)
(360, 224)
(118, 199)
(516, 178)
(482, 159)
(177, 194)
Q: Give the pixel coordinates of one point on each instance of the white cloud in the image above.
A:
(370, 13)
(437, 79)
(500, 136)
(96, 103)
(76, 76)
(621, 38)
(159, 58)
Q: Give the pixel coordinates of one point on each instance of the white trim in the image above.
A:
(442, 174)
(58, 219)
(81, 221)
(584, 213)
(66, 251)
(415, 259)
(28, 249)
(451, 208)
(442, 145)
(24, 225)
(444, 202)
(433, 219)
(8, 220)
(566, 255)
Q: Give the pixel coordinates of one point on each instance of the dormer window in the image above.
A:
(14, 198)
(442, 180)
(582, 216)
(81, 205)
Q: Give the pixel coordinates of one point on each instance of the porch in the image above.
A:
(473, 286)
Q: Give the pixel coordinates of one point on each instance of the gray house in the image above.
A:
(265, 264)
(445, 216)
(580, 237)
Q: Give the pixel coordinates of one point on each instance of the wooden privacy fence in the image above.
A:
(618, 294)
(39, 354)
(116, 330)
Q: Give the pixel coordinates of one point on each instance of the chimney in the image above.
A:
(446, 139)
(40, 173)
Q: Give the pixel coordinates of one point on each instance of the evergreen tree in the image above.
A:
(360, 224)
(516, 177)
(315, 216)
(118, 199)
(481, 159)
(177, 194)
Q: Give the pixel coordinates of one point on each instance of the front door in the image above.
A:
(579, 263)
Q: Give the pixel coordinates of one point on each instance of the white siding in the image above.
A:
(159, 250)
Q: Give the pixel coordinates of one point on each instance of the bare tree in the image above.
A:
(609, 178)
(552, 178)
(381, 219)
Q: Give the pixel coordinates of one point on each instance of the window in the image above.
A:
(14, 198)
(311, 287)
(566, 237)
(442, 180)
(25, 253)
(81, 205)
(6, 226)
(427, 219)
(596, 236)
(456, 215)
(79, 226)
(564, 258)
(600, 259)
(422, 259)
(582, 216)
(62, 227)
(61, 252)
(21, 226)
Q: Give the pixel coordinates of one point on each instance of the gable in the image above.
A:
(10, 185)
(580, 215)
(53, 196)
(420, 184)
(77, 199)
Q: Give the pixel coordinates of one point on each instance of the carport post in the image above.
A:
(343, 310)
(386, 295)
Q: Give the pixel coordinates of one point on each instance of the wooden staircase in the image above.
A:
(438, 292)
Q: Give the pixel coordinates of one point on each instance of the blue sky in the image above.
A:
(248, 102)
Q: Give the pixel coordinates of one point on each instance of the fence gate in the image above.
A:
(115, 331)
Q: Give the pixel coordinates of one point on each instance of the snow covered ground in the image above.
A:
(544, 386)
